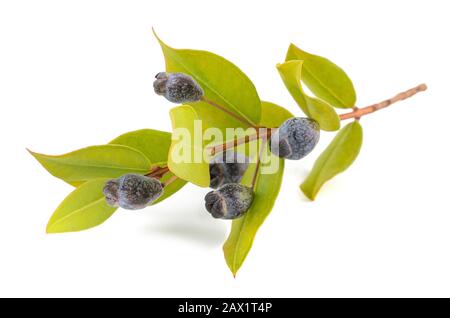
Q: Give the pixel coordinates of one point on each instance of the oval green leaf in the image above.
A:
(106, 161)
(155, 145)
(222, 81)
(324, 78)
(186, 151)
(273, 115)
(314, 108)
(215, 118)
(336, 158)
(244, 229)
(82, 209)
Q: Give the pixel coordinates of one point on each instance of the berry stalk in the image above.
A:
(359, 112)
(236, 142)
(170, 180)
(157, 172)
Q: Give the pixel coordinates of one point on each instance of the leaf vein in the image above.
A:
(323, 85)
(77, 211)
(72, 164)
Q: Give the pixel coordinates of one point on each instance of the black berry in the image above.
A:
(295, 138)
(177, 87)
(132, 191)
(227, 167)
(230, 201)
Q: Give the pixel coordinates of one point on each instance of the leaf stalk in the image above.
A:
(170, 180)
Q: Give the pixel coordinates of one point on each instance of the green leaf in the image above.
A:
(186, 151)
(155, 145)
(244, 229)
(107, 161)
(272, 115)
(222, 81)
(324, 78)
(314, 108)
(336, 158)
(215, 118)
(82, 209)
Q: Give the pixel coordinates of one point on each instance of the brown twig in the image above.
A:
(237, 117)
(359, 112)
(157, 172)
(236, 142)
(170, 180)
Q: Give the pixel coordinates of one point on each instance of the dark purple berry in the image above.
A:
(295, 138)
(230, 201)
(132, 191)
(177, 87)
(110, 192)
(227, 167)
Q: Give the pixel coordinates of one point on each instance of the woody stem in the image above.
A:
(170, 180)
(359, 112)
(157, 172)
(236, 142)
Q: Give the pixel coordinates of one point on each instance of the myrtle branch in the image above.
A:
(359, 112)
(236, 142)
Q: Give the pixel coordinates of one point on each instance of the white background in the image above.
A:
(78, 73)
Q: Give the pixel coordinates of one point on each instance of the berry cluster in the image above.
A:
(294, 139)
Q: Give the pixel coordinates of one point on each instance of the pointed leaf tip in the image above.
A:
(222, 82)
(244, 229)
(83, 208)
(156, 36)
(108, 161)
